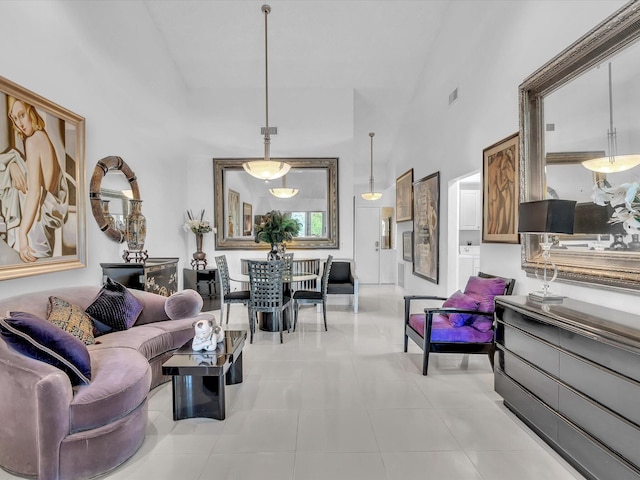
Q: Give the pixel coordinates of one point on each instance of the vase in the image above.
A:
(136, 226)
(199, 257)
(277, 251)
(634, 244)
(107, 215)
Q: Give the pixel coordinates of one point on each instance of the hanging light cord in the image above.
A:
(266, 9)
(371, 177)
(611, 134)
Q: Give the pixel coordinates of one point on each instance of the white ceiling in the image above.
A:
(377, 48)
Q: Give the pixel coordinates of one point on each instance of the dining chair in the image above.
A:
(228, 297)
(266, 293)
(314, 297)
(463, 324)
(288, 271)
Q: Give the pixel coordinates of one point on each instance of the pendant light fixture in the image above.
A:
(614, 162)
(371, 195)
(266, 169)
(284, 192)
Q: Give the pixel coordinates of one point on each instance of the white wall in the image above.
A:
(503, 43)
(141, 112)
(128, 113)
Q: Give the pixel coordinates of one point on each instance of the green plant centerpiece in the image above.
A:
(275, 229)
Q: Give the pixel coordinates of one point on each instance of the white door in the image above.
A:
(367, 244)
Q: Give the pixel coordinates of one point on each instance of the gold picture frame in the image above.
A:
(500, 191)
(404, 197)
(247, 219)
(55, 240)
(426, 227)
(233, 225)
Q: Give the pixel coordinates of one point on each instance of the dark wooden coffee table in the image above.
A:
(199, 377)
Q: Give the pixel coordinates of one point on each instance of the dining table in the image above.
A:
(265, 320)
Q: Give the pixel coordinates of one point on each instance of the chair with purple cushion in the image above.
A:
(464, 322)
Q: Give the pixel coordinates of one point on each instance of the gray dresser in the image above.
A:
(572, 373)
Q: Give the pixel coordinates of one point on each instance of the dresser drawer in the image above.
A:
(619, 435)
(541, 385)
(529, 348)
(613, 391)
(592, 457)
(542, 330)
(617, 359)
(526, 406)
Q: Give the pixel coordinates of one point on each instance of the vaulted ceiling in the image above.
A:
(376, 48)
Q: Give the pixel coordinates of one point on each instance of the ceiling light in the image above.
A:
(284, 192)
(371, 195)
(266, 169)
(614, 162)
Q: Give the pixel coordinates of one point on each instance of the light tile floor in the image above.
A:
(346, 404)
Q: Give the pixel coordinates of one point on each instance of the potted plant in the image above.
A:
(275, 229)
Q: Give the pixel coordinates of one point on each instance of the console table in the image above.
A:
(205, 282)
(571, 372)
(156, 275)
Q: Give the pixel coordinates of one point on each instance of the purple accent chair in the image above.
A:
(463, 324)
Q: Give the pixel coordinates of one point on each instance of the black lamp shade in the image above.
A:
(546, 216)
(592, 218)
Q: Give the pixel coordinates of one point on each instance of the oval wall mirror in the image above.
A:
(113, 184)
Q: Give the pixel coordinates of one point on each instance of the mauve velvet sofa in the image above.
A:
(54, 431)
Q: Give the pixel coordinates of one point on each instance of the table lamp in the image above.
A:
(545, 217)
(595, 219)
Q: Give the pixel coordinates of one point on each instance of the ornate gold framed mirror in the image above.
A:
(564, 113)
(241, 200)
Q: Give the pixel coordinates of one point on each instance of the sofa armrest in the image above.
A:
(34, 407)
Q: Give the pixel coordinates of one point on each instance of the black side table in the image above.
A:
(205, 282)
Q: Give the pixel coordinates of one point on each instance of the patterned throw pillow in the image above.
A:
(115, 307)
(41, 340)
(71, 318)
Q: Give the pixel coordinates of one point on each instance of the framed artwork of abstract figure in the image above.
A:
(247, 217)
(426, 227)
(42, 185)
(404, 197)
(233, 225)
(500, 194)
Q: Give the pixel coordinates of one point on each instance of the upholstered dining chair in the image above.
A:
(228, 297)
(314, 297)
(266, 293)
(463, 324)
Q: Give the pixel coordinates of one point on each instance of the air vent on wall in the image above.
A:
(453, 96)
(551, 127)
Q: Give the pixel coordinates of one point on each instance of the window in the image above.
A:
(313, 223)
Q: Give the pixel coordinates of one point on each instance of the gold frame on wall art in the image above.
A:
(500, 192)
(426, 227)
(404, 197)
(56, 239)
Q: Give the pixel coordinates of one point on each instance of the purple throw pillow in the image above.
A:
(460, 300)
(115, 308)
(484, 290)
(42, 340)
(482, 323)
